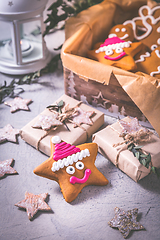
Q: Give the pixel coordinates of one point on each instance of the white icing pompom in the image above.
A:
(56, 139)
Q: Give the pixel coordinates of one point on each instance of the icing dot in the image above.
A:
(119, 50)
(109, 52)
(70, 170)
(158, 41)
(123, 29)
(117, 30)
(158, 29)
(153, 47)
(56, 139)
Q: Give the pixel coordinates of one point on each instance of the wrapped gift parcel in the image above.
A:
(77, 127)
(112, 146)
(115, 90)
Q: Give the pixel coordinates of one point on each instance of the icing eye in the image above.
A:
(79, 165)
(117, 30)
(109, 52)
(123, 29)
(158, 29)
(70, 170)
(158, 41)
(153, 47)
(119, 50)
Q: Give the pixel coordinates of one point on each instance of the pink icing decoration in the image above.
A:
(110, 41)
(115, 58)
(74, 179)
(63, 150)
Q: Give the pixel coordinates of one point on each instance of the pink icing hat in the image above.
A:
(66, 154)
(110, 41)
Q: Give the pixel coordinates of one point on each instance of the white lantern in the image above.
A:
(22, 46)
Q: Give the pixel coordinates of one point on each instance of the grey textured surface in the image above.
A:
(86, 217)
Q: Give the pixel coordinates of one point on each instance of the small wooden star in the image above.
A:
(8, 133)
(125, 221)
(18, 104)
(132, 126)
(10, 3)
(5, 167)
(47, 122)
(70, 190)
(82, 116)
(33, 203)
(100, 101)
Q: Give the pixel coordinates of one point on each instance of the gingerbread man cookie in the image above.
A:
(72, 167)
(150, 62)
(121, 31)
(146, 27)
(116, 52)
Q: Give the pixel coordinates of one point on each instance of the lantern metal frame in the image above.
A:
(18, 66)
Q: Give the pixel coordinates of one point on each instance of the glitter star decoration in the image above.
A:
(125, 221)
(82, 116)
(33, 203)
(47, 122)
(8, 133)
(130, 127)
(5, 167)
(18, 104)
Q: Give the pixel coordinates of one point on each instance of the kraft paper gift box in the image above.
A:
(127, 93)
(129, 164)
(75, 136)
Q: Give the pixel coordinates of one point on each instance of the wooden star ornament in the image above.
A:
(125, 221)
(47, 122)
(18, 104)
(72, 167)
(5, 167)
(33, 203)
(8, 133)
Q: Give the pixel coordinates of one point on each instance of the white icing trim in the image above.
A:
(156, 72)
(144, 18)
(157, 53)
(142, 57)
(70, 160)
(125, 36)
(114, 46)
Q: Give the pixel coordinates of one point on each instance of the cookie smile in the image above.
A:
(74, 179)
(124, 37)
(115, 58)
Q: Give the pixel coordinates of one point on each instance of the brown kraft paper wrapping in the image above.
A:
(75, 136)
(126, 161)
(92, 26)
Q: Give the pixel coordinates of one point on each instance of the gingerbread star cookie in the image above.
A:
(125, 221)
(47, 122)
(82, 116)
(8, 133)
(116, 52)
(18, 104)
(5, 167)
(72, 167)
(130, 127)
(33, 203)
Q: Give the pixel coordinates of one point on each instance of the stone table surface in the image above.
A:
(88, 215)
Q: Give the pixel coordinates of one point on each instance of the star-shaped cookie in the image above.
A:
(33, 203)
(130, 127)
(72, 167)
(120, 56)
(82, 116)
(8, 133)
(47, 122)
(125, 221)
(18, 104)
(5, 167)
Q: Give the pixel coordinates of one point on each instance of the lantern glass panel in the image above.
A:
(6, 41)
(31, 41)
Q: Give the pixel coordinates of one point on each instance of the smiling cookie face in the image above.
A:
(116, 52)
(123, 32)
(72, 167)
